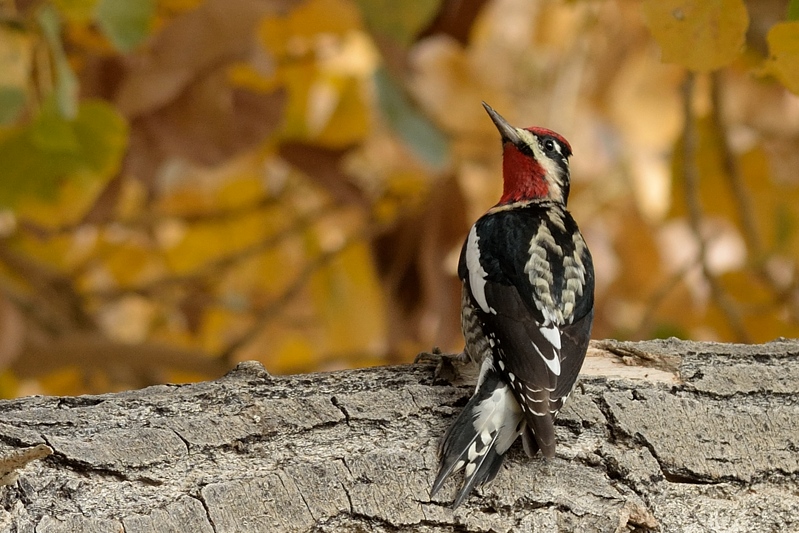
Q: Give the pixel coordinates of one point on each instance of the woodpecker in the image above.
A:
(527, 310)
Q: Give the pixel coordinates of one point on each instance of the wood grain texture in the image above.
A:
(684, 437)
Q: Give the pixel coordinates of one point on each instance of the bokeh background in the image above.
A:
(186, 184)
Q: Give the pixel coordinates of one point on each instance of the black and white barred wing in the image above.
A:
(530, 274)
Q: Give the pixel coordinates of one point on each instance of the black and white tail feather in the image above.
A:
(482, 433)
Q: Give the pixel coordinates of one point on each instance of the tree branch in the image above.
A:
(691, 180)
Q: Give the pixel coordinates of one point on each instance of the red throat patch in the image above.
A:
(522, 175)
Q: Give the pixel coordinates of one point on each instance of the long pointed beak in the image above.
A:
(507, 131)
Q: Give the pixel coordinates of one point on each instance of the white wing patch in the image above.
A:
(553, 363)
(552, 334)
(477, 275)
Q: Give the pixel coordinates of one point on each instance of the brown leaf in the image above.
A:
(194, 43)
(454, 18)
(323, 165)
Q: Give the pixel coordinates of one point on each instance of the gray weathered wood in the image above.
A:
(704, 438)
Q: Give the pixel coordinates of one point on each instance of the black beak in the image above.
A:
(507, 131)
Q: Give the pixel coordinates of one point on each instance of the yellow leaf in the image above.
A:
(208, 241)
(88, 37)
(221, 327)
(773, 202)
(9, 385)
(131, 264)
(715, 194)
(193, 191)
(67, 381)
(322, 61)
(240, 193)
(72, 199)
(348, 122)
(258, 280)
(76, 10)
(297, 33)
(348, 297)
(701, 35)
(294, 353)
(246, 76)
(783, 43)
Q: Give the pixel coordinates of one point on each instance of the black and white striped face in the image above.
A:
(552, 152)
(535, 162)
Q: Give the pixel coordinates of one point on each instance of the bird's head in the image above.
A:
(535, 162)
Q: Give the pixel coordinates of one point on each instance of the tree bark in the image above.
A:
(660, 436)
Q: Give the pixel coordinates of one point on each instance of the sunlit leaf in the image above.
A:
(783, 42)
(214, 239)
(126, 22)
(296, 33)
(348, 121)
(701, 35)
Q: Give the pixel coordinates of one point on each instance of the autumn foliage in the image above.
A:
(187, 184)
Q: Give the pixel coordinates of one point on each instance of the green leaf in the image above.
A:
(418, 132)
(125, 22)
(66, 89)
(50, 133)
(12, 101)
(37, 157)
(793, 10)
(401, 21)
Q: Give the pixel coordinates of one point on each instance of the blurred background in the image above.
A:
(185, 184)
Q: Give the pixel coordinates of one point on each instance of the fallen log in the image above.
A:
(660, 436)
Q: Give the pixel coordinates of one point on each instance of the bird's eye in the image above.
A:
(549, 145)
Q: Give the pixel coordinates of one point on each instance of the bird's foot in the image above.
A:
(448, 365)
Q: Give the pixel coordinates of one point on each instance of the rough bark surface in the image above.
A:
(661, 436)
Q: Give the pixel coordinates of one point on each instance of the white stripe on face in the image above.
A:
(552, 171)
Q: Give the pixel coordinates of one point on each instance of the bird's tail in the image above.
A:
(480, 435)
